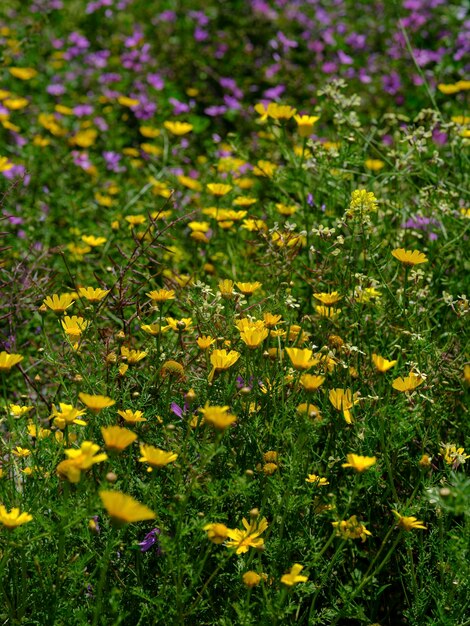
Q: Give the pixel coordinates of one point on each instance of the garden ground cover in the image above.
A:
(234, 359)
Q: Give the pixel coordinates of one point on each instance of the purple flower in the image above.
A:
(150, 540)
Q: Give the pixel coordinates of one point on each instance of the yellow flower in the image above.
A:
(7, 361)
(178, 128)
(18, 411)
(362, 201)
(124, 509)
(242, 540)
(452, 455)
(311, 383)
(267, 169)
(181, 325)
(275, 111)
(172, 368)
(305, 124)
(293, 576)
(244, 201)
(154, 329)
(248, 289)
(351, 529)
(15, 104)
(23, 73)
(93, 241)
(13, 518)
(117, 438)
(21, 453)
(343, 400)
(96, 403)
(449, 89)
(125, 101)
(381, 364)
(359, 463)
(374, 164)
(67, 415)
(408, 523)
(79, 460)
(219, 189)
(318, 480)
(161, 295)
(253, 336)
(155, 457)
(251, 579)
(74, 326)
(91, 294)
(217, 533)
(327, 311)
(222, 360)
(59, 304)
(218, 416)
(271, 320)
(84, 138)
(132, 356)
(408, 383)
(301, 358)
(328, 299)
(226, 288)
(204, 342)
(409, 257)
(132, 417)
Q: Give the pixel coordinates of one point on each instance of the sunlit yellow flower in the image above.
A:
(21, 453)
(132, 356)
(327, 311)
(218, 416)
(79, 460)
(381, 364)
(155, 457)
(116, 438)
(67, 415)
(265, 168)
(181, 325)
(222, 360)
(204, 342)
(91, 294)
(93, 241)
(7, 361)
(219, 189)
(216, 532)
(154, 329)
(271, 320)
(408, 383)
(189, 182)
(359, 463)
(409, 257)
(408, 523)
(362, 202)
(311, 383)
(242, 540)
(328, 299)
(253, 336)
(161, 295)
(293, 576)
(59, 303)
(319, 481)
(15, 104)
(96, 403)
(244, 201)
(275, 111)
(12, 519)
(248, 289)
(74, 325)
(344, 400)
(17, 411)
(132, 417)
(448, 89)
(351, 529)
(178, 128)
(149, 131)
(124, 509)
(301, 358)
